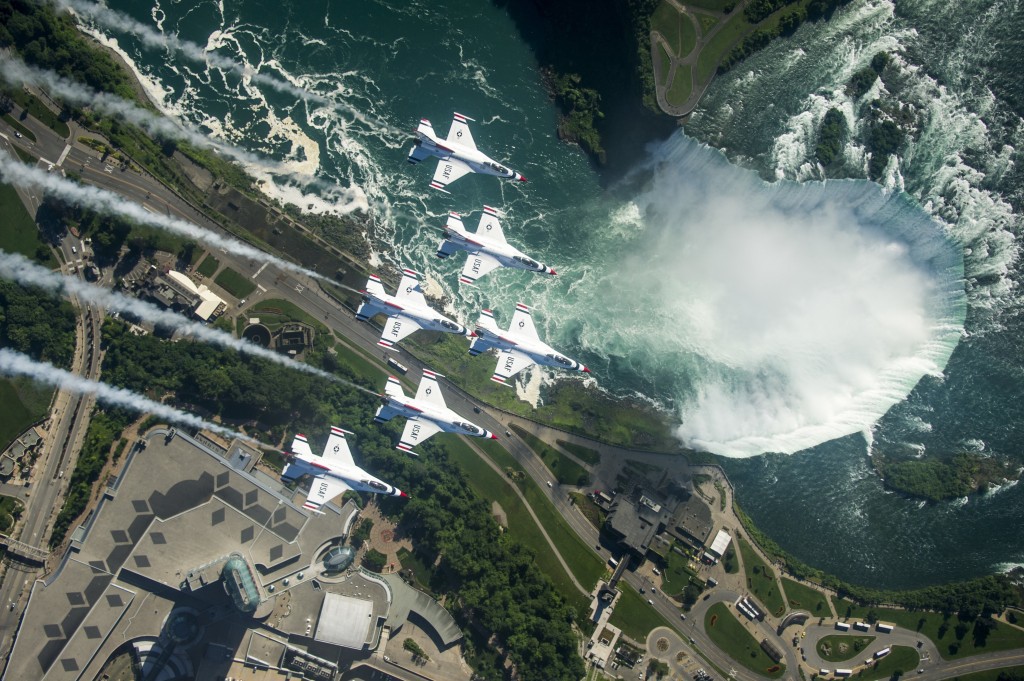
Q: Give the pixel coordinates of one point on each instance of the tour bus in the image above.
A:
(844, 672)
(882, 653)
(397, 366)
(884, 628)
(613, 562)
(842, 626)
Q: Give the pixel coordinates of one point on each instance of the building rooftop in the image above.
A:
(176, 507)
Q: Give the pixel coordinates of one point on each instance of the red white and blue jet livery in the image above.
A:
(457, 153)
(407, 310)
(519, 347)
(333, 473)
(427, 413)
(487, 247)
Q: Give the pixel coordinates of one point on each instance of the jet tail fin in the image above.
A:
(394, 388)
(425, 130)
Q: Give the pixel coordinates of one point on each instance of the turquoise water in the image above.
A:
(786, 317)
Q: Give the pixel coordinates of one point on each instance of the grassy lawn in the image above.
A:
(953, 639)
(234, 283)
(19, 233)
(713, 5)
(681, 87)
(273, 312)
(565, 470)
(422, 574)
(719, 45)
(25, 402)
(662, 61)
(570, 405)
(735, 641)
(707, 22)
(10, 509)
(989, 675)
(634, 615)
(593, 513)
(360, 365)
(274, 459)
(901, 659)
(666, 21)
(761, 579)
(40, 112)
(586, 565)
(16, 124)
(585, 454)
(208, 266)
(677, 574)
(687, 36)
(842, 647)
(802, 597)
(25, 156)
(489, 485)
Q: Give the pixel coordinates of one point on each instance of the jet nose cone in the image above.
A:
(551, 270)
(521, 178)
(586, 370)
(403, 494)
(470, 334)
(493, 436)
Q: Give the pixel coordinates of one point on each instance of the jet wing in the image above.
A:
(477, 265)
(397, 328)
(490, 226)
(300, 446)
(522, 322)
(510, 363)
(459, 132)
(429, 390)
(385, 413)
(448, 170)
(322, 490)
(409, 290)
(416, 431)
(337, 453)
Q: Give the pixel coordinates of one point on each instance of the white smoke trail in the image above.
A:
(19, 73)
(19, 268)
(14, 363)
(19, 174)
(348, 199)
(197, 53)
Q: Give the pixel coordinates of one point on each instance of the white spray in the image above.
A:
(20, 175)
(24, 271)
(196, 53)
(14, 363)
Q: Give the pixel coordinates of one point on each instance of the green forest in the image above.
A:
(493, 583)
(36, 324)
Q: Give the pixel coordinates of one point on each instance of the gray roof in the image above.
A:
(406, 599)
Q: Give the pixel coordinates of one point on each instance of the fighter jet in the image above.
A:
(458, 154)
(427, 413)
(333, 473)
(407, 310)
(487, 247)
(519, 347)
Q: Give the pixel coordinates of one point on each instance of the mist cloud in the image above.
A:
(774, 316)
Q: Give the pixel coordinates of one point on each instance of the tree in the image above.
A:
(374, 560)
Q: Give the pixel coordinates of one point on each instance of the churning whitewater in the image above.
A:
(766, 317)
